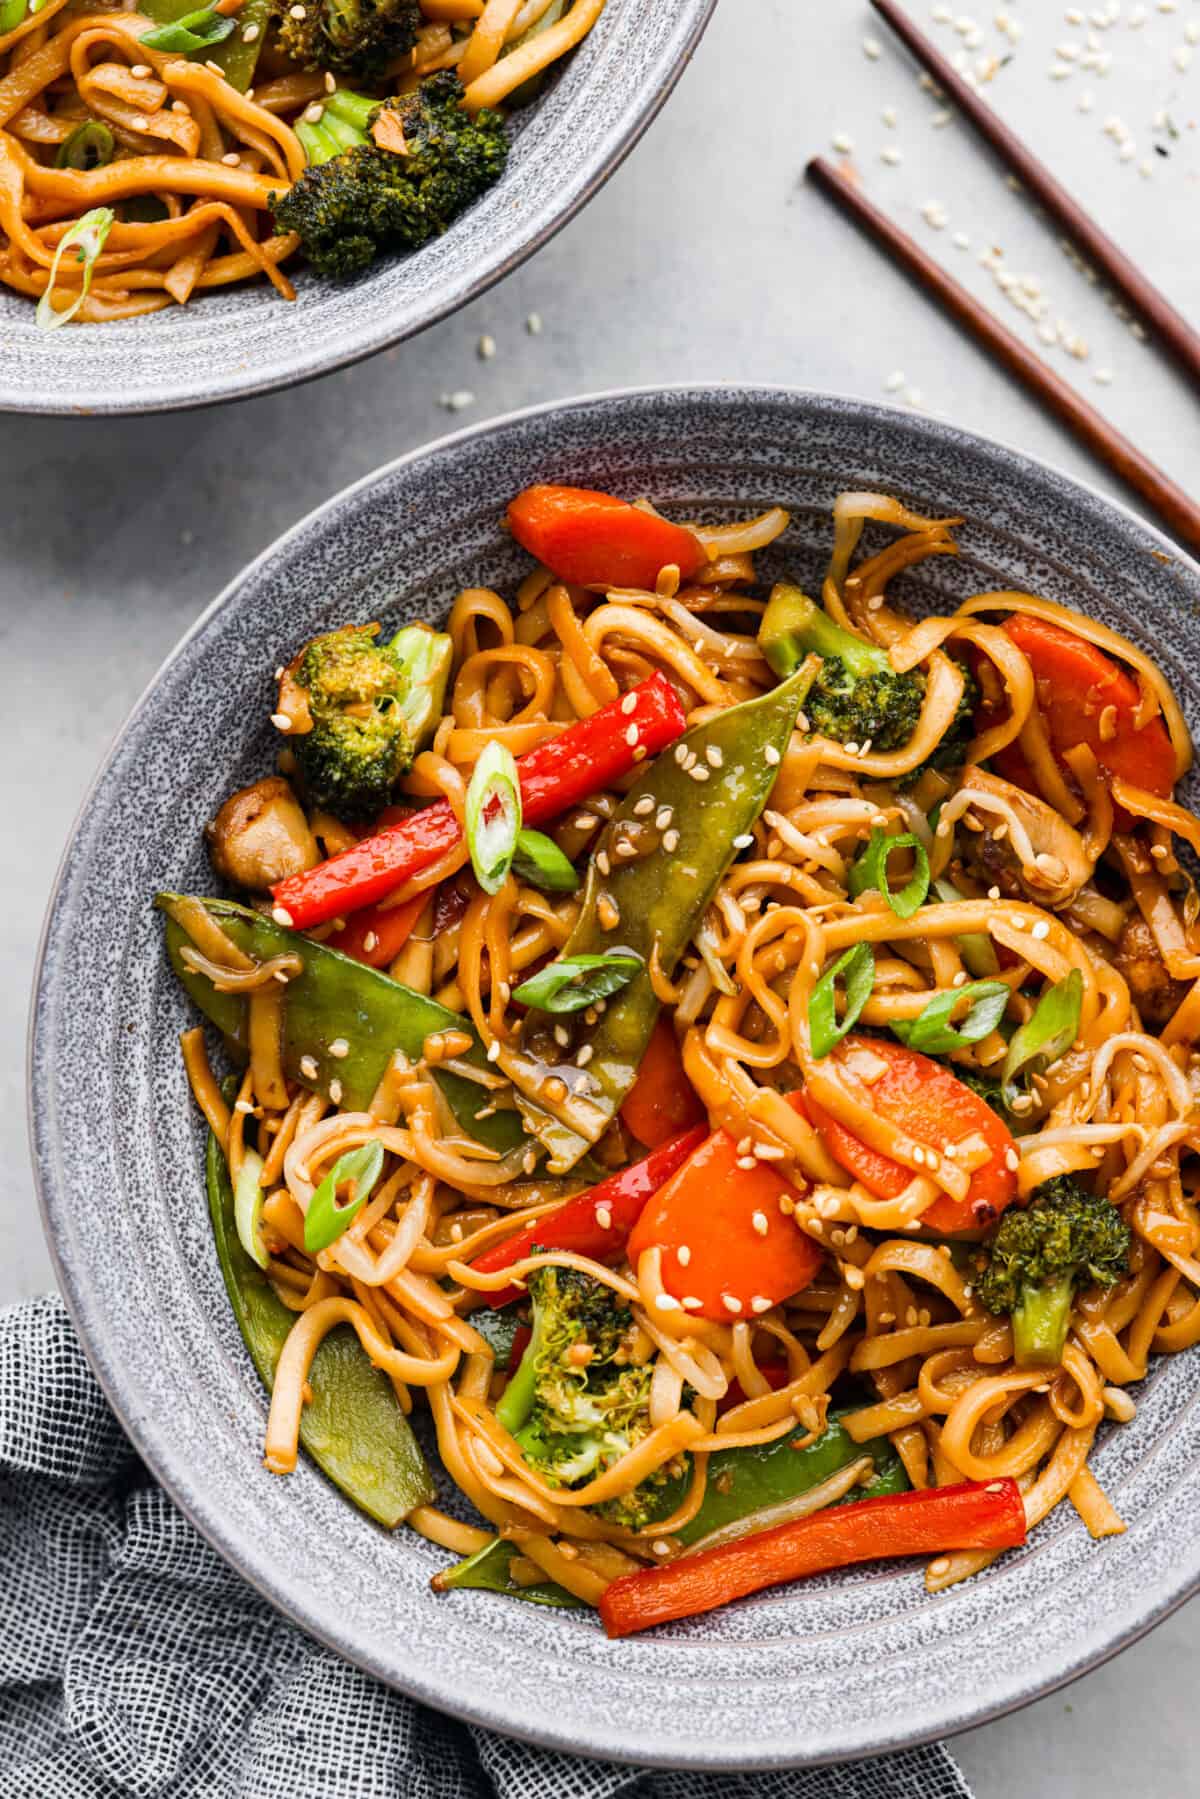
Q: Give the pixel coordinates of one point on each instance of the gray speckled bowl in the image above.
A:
(843, 1666)
(239, 341)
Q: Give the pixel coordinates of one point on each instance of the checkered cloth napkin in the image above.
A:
(133, 1661)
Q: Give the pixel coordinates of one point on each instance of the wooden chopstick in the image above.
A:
(1177, 510)
(1168, 326)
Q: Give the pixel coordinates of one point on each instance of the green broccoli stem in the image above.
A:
(342, 126)
(1040, 1321)
(516, 1402)
(424, 658)
(352, 109)
(793, 627)
(317, 142)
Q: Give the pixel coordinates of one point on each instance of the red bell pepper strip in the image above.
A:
(597, 540)
(934, 1521)
(931, 1104)
(662, 1101)
(1077, 685)
(377, 934)
(724, 1239)
(576, 1225)
(558, 775)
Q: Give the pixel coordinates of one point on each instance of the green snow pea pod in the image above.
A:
(653, 874)
(353, 1428)
(336, 1000)
(237, 57)
(490, 1567)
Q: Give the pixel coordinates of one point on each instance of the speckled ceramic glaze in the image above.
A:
(842, 1666)
(245, 340)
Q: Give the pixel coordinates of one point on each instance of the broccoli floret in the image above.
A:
(357, 199)
(371, 707)
(577, 1403)
(1065, 1239)
(351, 37)
(857, 695)
(953, 746)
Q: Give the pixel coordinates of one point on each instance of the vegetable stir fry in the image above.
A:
(725, 1057)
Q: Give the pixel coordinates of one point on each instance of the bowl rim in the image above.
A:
(151, 1439)
(322, 359)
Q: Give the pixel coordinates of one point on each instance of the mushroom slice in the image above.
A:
(1019, 843)
(260, 836)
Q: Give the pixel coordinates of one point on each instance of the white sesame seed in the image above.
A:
(644, 806)
(746, 1162)
(308, 1068)
(314, 114)
(771, 756)
(631, 735)
(888, 115)
(251, 34)
(604, 1218)
(335, 1092)
(533, 324)
(666, 1302)
(714, 757)
(485, 349)
(670, 842)
(1103, 377)
(759, 1221)
(690, 1303)
(743, 840)
(731, 1302)
(603, 863)
(330, 83)
(759, 1304)
(683, 1255)
(282, 916)
(370, 942)
(891, 156)
(281, 721)
(459, 400)
(231, 159)
(339, 1048)
(993, 893)
(140, 71)
(1041, 930)
(493, 1052)
(139, 123)
(961, 241)
(585, 1055)
(242, 1105)
(843, 143)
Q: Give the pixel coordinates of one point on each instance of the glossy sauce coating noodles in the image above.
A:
(916, 1170)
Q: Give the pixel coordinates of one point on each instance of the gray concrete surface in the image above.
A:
(705, 258)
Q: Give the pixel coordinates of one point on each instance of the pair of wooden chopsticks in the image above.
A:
(1177, 510)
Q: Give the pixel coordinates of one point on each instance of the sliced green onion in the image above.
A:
(247, 1208)
(1047, 1035)
(493, 816)
(325, 1219)
(574, 982)
(90, 146)
(975, 947)
(857, 967)
(12, 14)
(87, 238)
(194, 32)
(931, 1031)
(539, 861)
(870, 870)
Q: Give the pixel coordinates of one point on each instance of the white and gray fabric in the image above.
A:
(133, 1661)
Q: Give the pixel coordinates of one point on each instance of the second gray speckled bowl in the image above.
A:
(851, 1664)
(245, 340)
